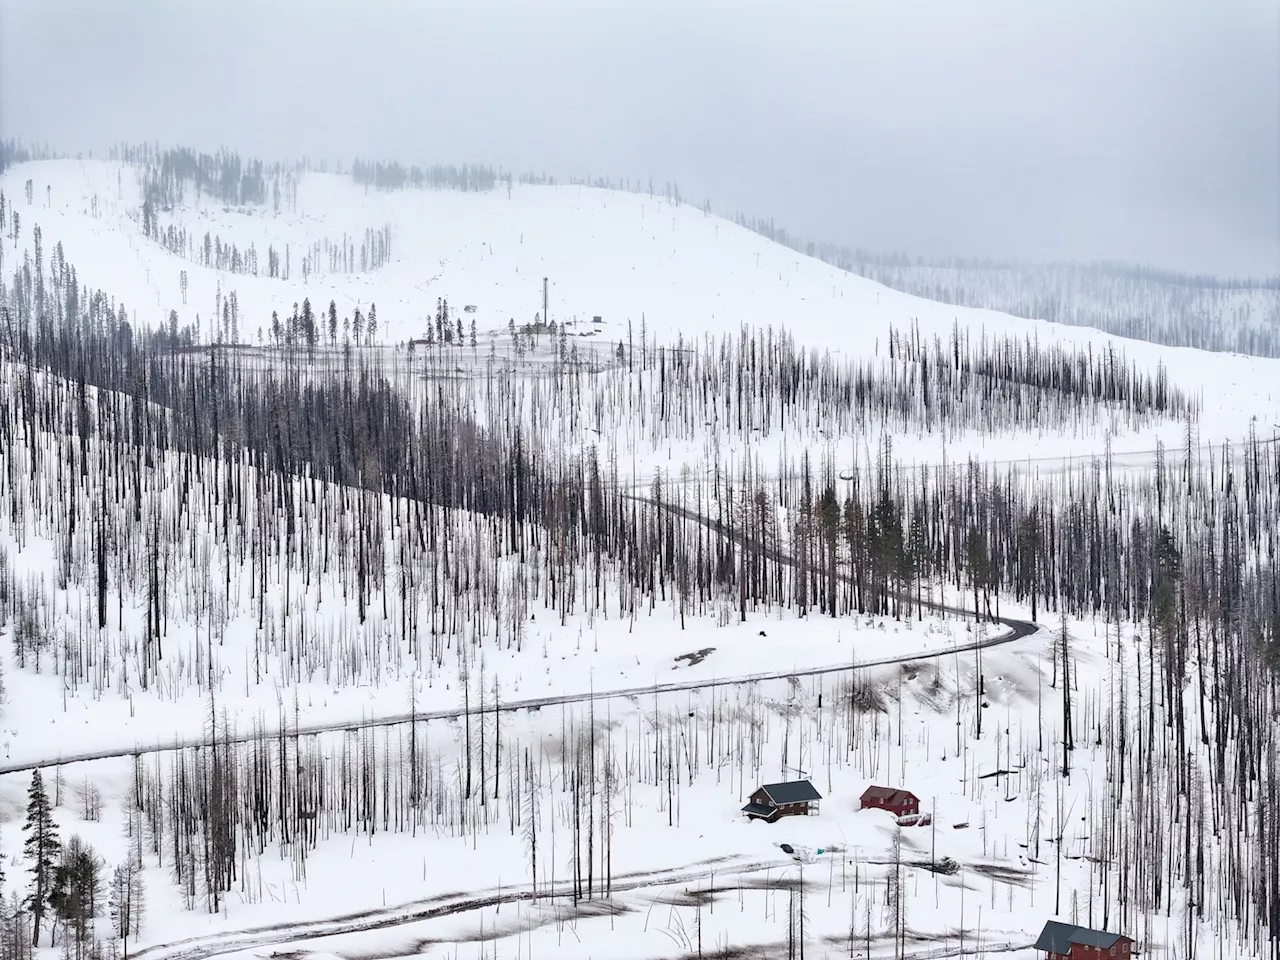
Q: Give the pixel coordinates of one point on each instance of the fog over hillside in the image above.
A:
(1147, 132)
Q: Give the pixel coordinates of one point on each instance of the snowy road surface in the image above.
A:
(1018, 629)
(1015, 630)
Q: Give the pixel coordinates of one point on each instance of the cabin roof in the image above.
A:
(1058, 937)
(794, 791)
(888, 793)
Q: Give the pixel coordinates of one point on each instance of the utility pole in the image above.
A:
(546, 320)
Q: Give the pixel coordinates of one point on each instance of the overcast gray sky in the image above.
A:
(1145, 130)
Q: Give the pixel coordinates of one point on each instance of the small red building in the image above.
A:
(898, 802)
(1066, 941)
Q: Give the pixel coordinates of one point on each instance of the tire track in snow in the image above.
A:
(442, 905)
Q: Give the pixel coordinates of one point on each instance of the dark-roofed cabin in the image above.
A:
(795, 799)
(1066, 941)
(900, 803)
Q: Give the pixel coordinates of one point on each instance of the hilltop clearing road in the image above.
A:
(1120, 460)
(1015, 630)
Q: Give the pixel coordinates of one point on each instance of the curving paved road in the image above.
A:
(1016, 630)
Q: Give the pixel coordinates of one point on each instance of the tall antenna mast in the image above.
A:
(546, 320)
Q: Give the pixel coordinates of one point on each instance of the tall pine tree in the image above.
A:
(42, 849)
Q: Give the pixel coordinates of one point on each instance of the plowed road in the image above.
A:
(1014, 630)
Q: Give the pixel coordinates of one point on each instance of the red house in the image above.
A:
(1066, 941)
(898, 802)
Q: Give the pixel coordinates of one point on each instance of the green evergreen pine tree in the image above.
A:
(42, 849)
(77, 886)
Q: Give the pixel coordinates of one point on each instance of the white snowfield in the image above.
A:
(689, 875)
(389, 894)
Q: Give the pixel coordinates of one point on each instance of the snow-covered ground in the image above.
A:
(672, 845)
(679, 275)
(48, 717)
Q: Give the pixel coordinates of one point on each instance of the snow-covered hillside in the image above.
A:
(633, 261)
(370, 650)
